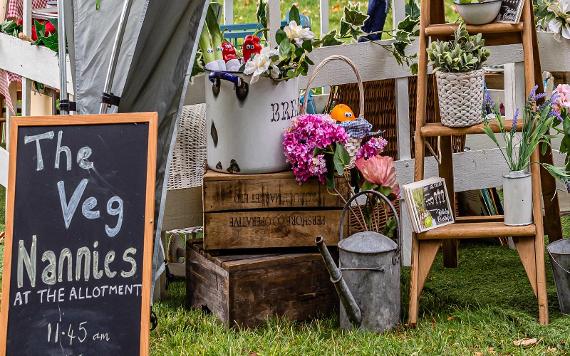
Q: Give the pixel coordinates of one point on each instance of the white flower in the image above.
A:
(275, 72)
(297, 33)
(559, 27)
(259, 63)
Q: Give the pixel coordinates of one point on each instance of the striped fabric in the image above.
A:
(14, 10)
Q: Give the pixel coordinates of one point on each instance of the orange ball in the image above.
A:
(342, 112)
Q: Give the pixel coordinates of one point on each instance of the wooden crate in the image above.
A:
(244, 290)
(267, 210)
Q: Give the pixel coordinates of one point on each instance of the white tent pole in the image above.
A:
(63, 98)
(115, 52)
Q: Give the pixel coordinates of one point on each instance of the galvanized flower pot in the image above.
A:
(245, 123)
(517, 193)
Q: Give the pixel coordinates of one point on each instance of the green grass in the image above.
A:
(483, 306)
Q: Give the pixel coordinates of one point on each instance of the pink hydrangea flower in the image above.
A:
(307, 133)
(371, 148)
(561, 98)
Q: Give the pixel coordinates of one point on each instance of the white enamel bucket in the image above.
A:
(245, 133)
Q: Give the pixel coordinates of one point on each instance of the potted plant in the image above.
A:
(478, 12)
(553, 16)
(460, 77)
(536, 123)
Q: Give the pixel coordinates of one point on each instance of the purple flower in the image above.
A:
(515, 121)
(304, 141)
(371, 148)
(533, 96)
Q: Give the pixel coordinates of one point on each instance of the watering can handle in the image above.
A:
(386, 200)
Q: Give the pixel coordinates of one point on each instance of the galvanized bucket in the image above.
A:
(370, 265)
(559, 252)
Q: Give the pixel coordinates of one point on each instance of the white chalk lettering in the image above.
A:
(62, 149)
(28, 261)
(68, 209)
(46, 135)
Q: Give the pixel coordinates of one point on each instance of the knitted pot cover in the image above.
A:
(460, 98)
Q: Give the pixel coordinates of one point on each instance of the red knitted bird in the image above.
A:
(250, 47)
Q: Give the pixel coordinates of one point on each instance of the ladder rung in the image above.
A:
(497, 27)
(437, 129)
(477, 230)
(482, 218)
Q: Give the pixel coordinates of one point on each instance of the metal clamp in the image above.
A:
(110, 99)
(66, 105)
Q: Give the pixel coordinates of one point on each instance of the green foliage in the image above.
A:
(11, 28)
(50, 41)
(261, 16)
(464, 54)
(352, 21)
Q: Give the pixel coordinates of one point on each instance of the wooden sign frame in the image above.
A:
(149, 118)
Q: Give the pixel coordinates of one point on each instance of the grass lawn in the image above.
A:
(480, 308)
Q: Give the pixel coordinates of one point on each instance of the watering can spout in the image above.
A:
(346, 297)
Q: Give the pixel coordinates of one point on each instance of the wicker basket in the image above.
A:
(461, 98)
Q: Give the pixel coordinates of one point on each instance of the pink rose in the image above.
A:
(379, 170)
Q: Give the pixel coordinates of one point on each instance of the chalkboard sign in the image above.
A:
(78, 249)
(511, 11)
(428, 204)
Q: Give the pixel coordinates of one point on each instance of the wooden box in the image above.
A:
(244, 290)
(267, 210)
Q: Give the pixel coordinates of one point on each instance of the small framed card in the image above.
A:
(428, 204)
(511, 11)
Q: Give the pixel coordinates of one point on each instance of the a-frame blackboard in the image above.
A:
(79, 228)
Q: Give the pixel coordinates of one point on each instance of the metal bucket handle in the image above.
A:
(386, 200)
(556, 262)
(320, 66)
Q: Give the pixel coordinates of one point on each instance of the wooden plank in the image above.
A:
(224, 192)
(478, 230)
(34, 62)
(437, 129)
(495, 27)
(207, 284)
(264, 229)
(4, 162)
(293, 289)
(248, 289)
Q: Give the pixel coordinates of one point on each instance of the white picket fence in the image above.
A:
(475, 169)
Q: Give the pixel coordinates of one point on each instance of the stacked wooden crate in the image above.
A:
(258, 257)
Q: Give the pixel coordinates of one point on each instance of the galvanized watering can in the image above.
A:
(368, 277)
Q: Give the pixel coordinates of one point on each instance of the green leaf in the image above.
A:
(353, 16)
(330, 181)
(307, 45)
(262, 13)
(341, 159)
(280, 35)
(294, 15)
(368, 186)
(284, 47)
(330, 39)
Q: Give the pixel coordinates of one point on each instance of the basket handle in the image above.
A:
(387, 201)
(335, 57)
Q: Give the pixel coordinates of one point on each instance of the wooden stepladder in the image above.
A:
(529, 239)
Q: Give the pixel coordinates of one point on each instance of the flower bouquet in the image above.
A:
(536, 123)
(553, 16)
